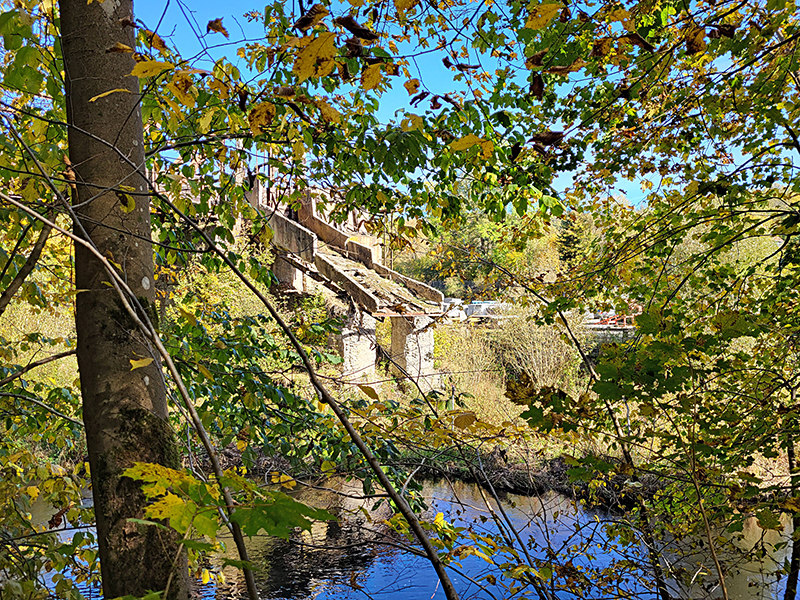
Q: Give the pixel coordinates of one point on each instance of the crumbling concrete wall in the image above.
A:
(412, 349)
(357, 346)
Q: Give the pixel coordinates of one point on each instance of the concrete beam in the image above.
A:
(421, 289)
(360, 295)
(290, 235)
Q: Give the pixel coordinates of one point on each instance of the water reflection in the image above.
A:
(350, 559)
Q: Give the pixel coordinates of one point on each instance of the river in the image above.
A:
(574, 550)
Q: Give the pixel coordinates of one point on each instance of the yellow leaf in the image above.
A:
(127, 203)
(369, 392)
(541, 15)
(412, 122)
(138, 364)
(206, 373)
(266, 235)
(488, 148)
(188, 316)
(316, 59)
(464, 420)
(220, 87)
(371, 77)
(119, 47)
(330, 114)
(298, 150)
(403, 5)
(284, 480)
(241, 445)
(466, 142)
(260, 117)
(32, 492)
(216, 26)
(155, 40)
(619, 14)
(182, 86)
(328, 468)
(439, 520)
(149, 68)
(205, 576)
(108, 93)
(412, 85)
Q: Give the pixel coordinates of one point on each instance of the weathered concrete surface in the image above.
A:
(421, 289)
(356, 291)
(290, 235)
(412, 349)
(357, 346)
(289, 275)
(367, 255)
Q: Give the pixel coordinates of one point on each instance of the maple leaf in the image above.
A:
(216, 26)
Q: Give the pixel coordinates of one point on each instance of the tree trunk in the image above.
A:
(124, 409)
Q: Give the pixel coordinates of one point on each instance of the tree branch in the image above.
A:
(26, 269)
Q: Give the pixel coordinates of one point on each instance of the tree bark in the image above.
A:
(124, 409)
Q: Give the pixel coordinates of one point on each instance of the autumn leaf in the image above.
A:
(487, 147)
(354, 27)
(537, 86)
(369, 392)
(404, 5)
(316, 59)
(181, 86)
(150, 68)
(314, 15)
(330, 114)
(541, 15)
(695, 40)
(563, 70)
(119, 47)
(371, 77)
(412, 85)
(466, 142)
(154, 40)
(216, 26)
(126, 201)
(464, 420)
(412, 122)
(108, 93)
(261, 117)
(138, 364)
(535, 60)
(285, 481)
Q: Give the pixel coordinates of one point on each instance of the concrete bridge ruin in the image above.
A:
(312, 252)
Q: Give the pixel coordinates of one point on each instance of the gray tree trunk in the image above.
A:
(124, 410)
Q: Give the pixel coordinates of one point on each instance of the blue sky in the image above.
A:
(182, 22)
